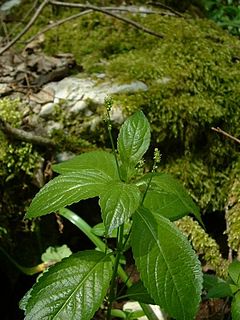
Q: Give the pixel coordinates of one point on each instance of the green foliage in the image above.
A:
(218, 288)
(15, 158)
(67, 189)
(168, 197)
(55, 254)
(164, 259)
(133, 142)
(139, 293)
(118, 204)
(233, 210)
(10, 111)
(72, 289)
(226, 13)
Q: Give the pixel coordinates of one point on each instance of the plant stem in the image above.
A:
(108, 103)
(87, 230)
(26, 270)
(146, 190)
(112, 291)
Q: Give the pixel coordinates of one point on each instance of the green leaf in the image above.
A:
(216, 287)
(67, 189)
(56, 254)
(98, 160)
(221, 290)
(168, 266)
(167, 196)
(72, 289)
(138, 292)
(235, 307)
(133, 141)
(234, 271)
(118, 202)
(99, 230)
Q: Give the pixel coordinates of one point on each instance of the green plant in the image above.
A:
(226, 13)
(139, 209)
(219, 288)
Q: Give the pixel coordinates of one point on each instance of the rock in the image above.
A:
(52, 125)
(63, 156)
(7, 5)
(78, 106)
(46, 95)
(46, 110)
(131, 87)
(78, 89)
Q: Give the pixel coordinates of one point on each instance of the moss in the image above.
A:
(15, 157)
(206, 185)
(18, 159)
(233, 211)
(10, 111)
(205, 246)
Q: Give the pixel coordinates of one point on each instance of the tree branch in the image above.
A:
(164, 6)
(57, 23)
(225, 134)
(75, 16)
(106, 12)
(22, 135)
(27, 27)
(25, 17)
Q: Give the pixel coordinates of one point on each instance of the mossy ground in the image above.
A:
(193, 79)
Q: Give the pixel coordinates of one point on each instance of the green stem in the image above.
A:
(146, 190)
(87, 230)
(26, 270)
(109, 126)
(112, 291)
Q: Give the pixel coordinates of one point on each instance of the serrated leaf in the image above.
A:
(67, 189)
(118, 203)
(56, 253)
(234, 271)
(138, 292)
(133, 140)
(167, 196)
(98, 160)
(72, 289)
(235, 307)
(167, 264)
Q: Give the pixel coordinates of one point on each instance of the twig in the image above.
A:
(22, 135)
(4, 28)
(75, 16)
(56, 24)
(25, 17)
(133, 10)
(27, 27)
(107, 12)
(225, 134)
(164, 6)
